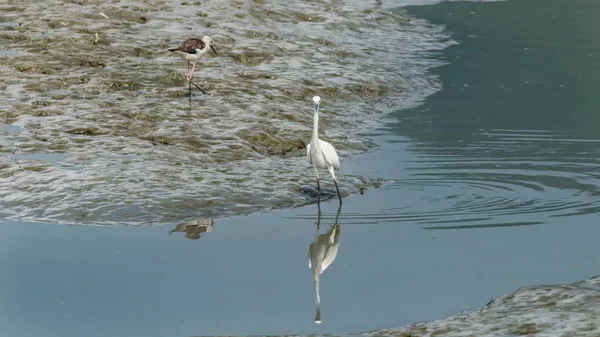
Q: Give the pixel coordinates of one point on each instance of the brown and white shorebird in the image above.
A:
(192, 50)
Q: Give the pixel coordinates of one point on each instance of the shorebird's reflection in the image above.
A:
(193, 229)
(322, 252)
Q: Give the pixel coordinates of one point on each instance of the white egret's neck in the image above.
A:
(316, 123)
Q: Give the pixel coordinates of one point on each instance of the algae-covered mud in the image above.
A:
(545, 310)
(89, 86)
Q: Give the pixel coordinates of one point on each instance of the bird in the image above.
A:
(191, 50)
(321, 154)
(321, 254)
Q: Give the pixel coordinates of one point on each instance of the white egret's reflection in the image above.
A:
(192, 229)
(322, 252)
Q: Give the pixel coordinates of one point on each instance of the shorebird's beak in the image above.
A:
(211, 47)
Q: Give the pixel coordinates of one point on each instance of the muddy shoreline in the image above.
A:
(92, 82)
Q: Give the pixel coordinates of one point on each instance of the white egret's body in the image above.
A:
(321, 253)
(322, 155)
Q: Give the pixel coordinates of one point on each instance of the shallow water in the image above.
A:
(511, 139)
(490, 185)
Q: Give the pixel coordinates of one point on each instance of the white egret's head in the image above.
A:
(208, 41)
(316, 101)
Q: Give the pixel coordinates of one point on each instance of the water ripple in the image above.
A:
(486, 184)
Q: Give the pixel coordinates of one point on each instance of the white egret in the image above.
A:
(191, 50)
(321, 253)
(321, 154)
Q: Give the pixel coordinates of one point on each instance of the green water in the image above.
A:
(512, 136)
(520, 65)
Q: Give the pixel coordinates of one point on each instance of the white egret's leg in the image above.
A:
(338, 191)
(318, 186)
(330, 168)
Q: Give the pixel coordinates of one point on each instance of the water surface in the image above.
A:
(490, 185)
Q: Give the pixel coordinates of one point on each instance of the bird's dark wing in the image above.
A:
(189, 46)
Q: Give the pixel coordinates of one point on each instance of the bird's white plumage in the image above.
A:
(200, 46)
(328, 155)
(322, 155)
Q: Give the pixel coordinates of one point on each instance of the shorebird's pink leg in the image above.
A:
(193, 67)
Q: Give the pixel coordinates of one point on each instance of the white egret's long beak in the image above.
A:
(211, 47)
